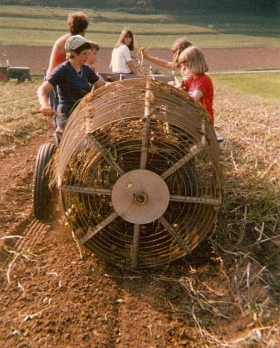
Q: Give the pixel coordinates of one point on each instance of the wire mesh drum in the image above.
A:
(139, 173)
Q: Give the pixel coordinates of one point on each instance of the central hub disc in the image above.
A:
(140, 196)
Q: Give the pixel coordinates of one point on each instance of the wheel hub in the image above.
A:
(140, 196)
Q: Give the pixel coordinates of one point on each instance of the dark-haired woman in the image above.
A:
(72, 78)
(121, 61)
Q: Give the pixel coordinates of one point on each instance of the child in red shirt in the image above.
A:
(195, 81)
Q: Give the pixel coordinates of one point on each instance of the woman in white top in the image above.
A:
(121, 61)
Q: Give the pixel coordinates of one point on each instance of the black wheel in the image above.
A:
(42, 195)
(24, 78)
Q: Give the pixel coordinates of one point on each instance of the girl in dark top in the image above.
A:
(73, 78)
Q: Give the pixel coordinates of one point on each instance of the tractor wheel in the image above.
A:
(3, 76)
(25, 78)
(43, 205)
(139, 173)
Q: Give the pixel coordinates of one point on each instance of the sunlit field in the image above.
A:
(40, 26)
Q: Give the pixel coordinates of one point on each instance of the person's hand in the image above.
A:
(46, 110)
(143, 51)
(174, 83)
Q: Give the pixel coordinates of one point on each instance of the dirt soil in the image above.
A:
(53, 294)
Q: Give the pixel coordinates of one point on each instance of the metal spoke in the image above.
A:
(193, 152)
(199, 200)
(135, 246)
(106, 154)
(90, 190)
(175, 235)
(93, 231)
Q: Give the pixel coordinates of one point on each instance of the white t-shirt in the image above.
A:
(120, 57)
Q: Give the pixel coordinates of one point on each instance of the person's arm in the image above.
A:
(132, 68)
(197, 94)
(42, 94)
(99, 83)
(158, 61)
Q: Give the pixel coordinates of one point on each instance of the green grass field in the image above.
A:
(40, 26)
(265, 85)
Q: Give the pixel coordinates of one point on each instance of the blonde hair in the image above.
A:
(194, 60)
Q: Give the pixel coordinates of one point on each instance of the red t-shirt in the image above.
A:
(205, 85)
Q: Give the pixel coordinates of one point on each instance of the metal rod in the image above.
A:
(193, 152)
(196, 149)
(146, 126)
(93, 231)
(199, 200)
(135, 246)
(90, 190)
(106, 154)
(175, 235)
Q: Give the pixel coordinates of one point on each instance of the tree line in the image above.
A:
(255, 6)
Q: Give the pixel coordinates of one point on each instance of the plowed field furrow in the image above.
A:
(34, 230)
(16, 196)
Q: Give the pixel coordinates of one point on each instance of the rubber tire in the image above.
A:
(43, 206)
(24, 78)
